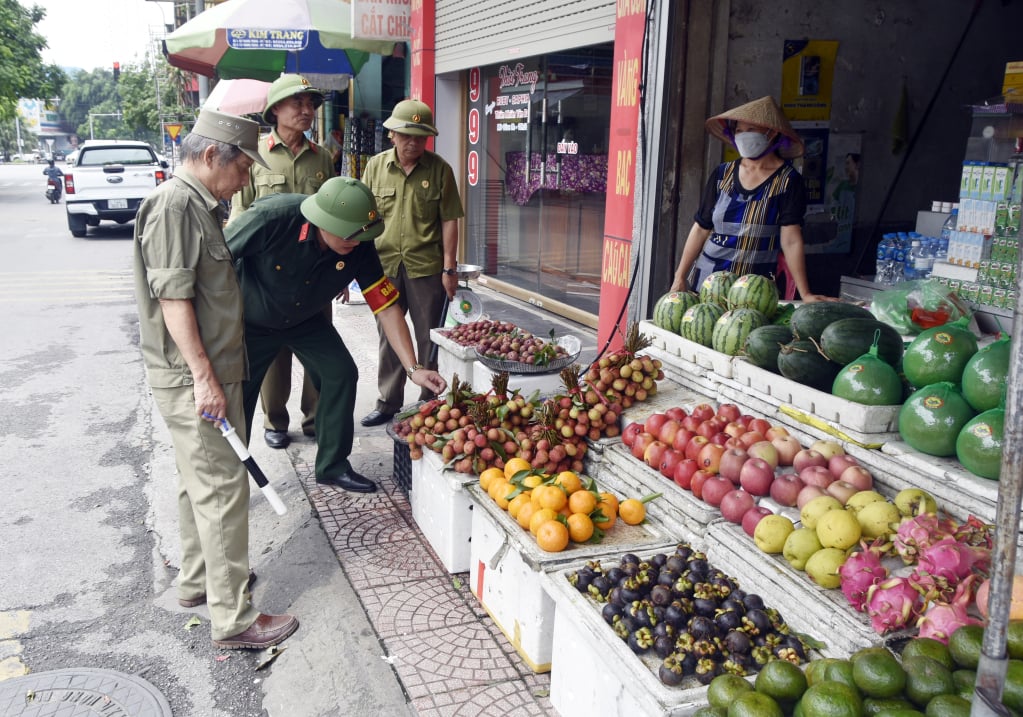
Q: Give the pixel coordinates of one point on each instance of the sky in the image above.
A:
(96, 33)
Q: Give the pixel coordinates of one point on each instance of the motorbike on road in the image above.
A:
(53, 190)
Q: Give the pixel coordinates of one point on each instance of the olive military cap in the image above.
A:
(287, 86)
(230, 129)
(411, 117)
(346, 208)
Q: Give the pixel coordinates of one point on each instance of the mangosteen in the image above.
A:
(663, 646)
(705, 607)
(667, 577)
(615, 575)
(664, 628)
(734, 667)
(609, 612)
(688, 662)
(630, 558)
(731, 603)
(705, 648)
(727, 620)
(641, 640)
(737, 643)
(656, 614)
(660, 595)
(602, 584)
(675, 563)
(631, 590)
(793, 642)
(582, 579)
(761, 655)
(699, 567)
(758, 621)
(622, 626)
(706, 670)
(787, 653)
(683, 587)
(684, 642)
(753, 602)
(659, 559)
(702, 628)
(630, 570)
(670, 672)
(615, 597)
(638, 612)
(683, 550)
(676, 615)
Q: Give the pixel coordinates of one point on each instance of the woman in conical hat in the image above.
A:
(752, 207)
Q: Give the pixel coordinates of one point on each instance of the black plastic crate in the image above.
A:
(402, 461)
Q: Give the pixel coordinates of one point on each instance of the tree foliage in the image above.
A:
(22, 70)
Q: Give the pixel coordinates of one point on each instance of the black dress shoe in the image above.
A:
(350, 481)
(276, 439)
(376, 418)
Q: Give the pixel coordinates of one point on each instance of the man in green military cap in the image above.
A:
(295, 164)
(417, 195)
(292, 254)
(192, 340)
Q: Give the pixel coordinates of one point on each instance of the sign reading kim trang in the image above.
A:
(260, 39)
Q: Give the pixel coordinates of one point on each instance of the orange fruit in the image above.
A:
(499, 491)
(553, 497)
(632, 511)
(489, 475)
(532, 481)
(610, 512)
(552, 536)
(525, 513)
(569, 480)
(580, 527)
(582, 501)
(539, 517)
(515, 465)
(516, 503)
(610, 498)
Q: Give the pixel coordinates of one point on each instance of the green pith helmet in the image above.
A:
(411, 117)
(284, 87)
(345, 207)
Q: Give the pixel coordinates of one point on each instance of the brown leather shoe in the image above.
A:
(201, 599)
(267, 630)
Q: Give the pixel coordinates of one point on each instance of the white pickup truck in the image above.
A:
(108, 181)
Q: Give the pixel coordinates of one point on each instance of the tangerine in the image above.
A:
(611, 499)
(552, 536)
(569, 480)
(525, 513)
(489, 475)
(554, 498)
(516, 503)
(610, 512)
(580, 527)
(582, 501)
(515, 465)
(539, 517)
(632, 511)
(532, 481)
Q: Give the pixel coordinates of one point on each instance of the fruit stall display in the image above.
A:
(648, 631)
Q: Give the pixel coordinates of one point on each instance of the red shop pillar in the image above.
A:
(621, 172)
(422, 82)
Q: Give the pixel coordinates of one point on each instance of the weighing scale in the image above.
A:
(466, 307)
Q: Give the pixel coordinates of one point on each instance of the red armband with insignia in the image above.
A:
(380, 294)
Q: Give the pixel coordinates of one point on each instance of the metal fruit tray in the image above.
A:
(572, 344)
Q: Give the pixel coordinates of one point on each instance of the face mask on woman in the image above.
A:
(752, 144)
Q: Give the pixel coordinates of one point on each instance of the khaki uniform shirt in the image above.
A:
(302, 174)
(180, 253)
(414, 208)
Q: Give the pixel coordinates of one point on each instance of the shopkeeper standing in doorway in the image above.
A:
(417, 196)
(753, 207)
(296, 165)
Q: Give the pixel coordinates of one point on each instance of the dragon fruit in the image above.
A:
(952, 560)
(941, 619)
(859, 572)
(919, 532)
(892, 604)
(976, 533)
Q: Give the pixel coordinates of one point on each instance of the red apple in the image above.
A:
(787, 447)
(709, 427)
(751, 517)
(720, 438)
(806, 457)
(640, 443)
(785, 488)
(699, 478)
(714, 489)
(760, 425)
(816, 475)
(776, 432)
(842, 491)
(669, 461)
(735, 442)
(858, 476)
(750, 437)
(682, 437)
(691, 422)
(743, 420)
(654, 453)
(731, 463)
(710, 457)
(653, 423)
(695, 445)
(668, 430)
(734, 428)
(756, 476)
(808, 493)
(729, 412)
(684, 471)
(676, 413)
(765, 450)
(703, 411)
(630, 432)
(735, 504)
(839, 462)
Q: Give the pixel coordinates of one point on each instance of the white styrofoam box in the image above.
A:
(679, 505)
(595, 673)
(452, 357)
(691, 351)
(844, 413)
(442, 509)
(547, 384)
(806, 607)
(506, 564)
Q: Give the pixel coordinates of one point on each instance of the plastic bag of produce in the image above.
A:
(916, 305)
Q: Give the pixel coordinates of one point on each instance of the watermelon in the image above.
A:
(986, 375)
(754, 291)
(698, 322)
(732, 329)
(845, 340)
(979, 445)
(669, 309)
(763, 345)
(939, 354)
(809, 320)
(931, 419)
(714, 289)
(802, 361)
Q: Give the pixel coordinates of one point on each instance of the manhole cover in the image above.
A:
(81, 692)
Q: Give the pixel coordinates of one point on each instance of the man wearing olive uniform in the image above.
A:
(293, 253)
(294, 165)
(417, 195)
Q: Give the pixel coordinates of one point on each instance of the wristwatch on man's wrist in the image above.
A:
(413, 368)
(449, 272)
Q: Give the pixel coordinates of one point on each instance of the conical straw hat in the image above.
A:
(764, 112)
